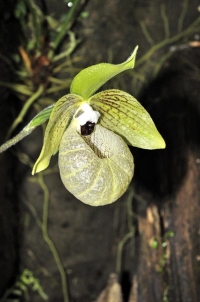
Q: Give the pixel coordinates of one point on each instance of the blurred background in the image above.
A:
(145, 246)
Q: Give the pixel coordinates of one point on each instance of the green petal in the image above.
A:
(123, 114)
(90, 79)
(41, 117)
(59, 120)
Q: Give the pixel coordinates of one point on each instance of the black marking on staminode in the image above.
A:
(87, 129)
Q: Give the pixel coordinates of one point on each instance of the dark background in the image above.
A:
(164, 194)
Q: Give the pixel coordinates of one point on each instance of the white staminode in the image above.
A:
(87, 115)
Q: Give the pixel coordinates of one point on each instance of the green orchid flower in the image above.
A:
(91, 132)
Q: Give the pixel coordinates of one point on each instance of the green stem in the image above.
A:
(165, 20)
(36, 23)
(120, 249)
(24, 110)
(65, 27)
(19, 88)
(38, 120)
(131, 232)
(146, 33)
(49, 241)
(162, 60)
(182, 16)
(167, 41)
(69, 48)
(59, 87)
(14, 140)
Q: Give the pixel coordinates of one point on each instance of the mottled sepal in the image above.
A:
(124, 115)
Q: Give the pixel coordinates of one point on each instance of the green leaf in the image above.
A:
(90, 79)
(59, 120)
(124, 115)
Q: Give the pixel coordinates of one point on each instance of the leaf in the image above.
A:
(59, 120)
(39, 119)
(123, 114)
(90, 79)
